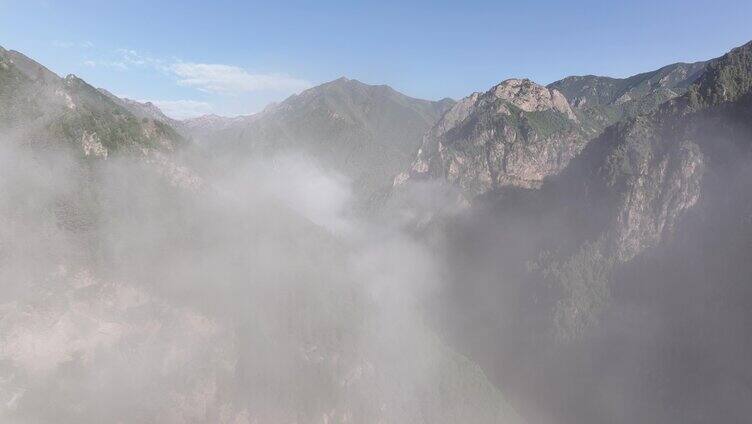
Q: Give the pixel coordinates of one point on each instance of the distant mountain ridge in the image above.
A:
(602, 101)
(142, 110)
(368, 133)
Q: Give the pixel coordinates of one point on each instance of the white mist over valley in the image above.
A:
(576, 252)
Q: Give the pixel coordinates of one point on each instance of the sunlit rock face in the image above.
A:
(516, 134)
(532, 97)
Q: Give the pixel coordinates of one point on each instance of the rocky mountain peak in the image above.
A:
(515, 134)
(531, 97)
(344, 87)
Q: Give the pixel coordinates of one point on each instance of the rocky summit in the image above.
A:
(515, 134)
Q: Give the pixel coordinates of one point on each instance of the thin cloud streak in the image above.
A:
(106, 64)
(70, 44)
(227, 79)
(215, 79)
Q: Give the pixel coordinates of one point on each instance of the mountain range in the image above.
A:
(596, 271)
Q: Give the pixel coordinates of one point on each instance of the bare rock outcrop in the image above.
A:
(516, 134)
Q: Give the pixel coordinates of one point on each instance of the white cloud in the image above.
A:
(227, 79)
(206, 77)
(134, 58)
(106, 64)
(182, 109)
(213, 77)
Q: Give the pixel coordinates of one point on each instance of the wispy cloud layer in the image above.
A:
(106, 64)
(227, 79)
(217, 81)
(136, 59)
(207, 77)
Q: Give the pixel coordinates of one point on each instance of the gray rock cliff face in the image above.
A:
(516, 134)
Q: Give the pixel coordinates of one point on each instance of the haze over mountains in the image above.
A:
(570, 253)
(138, 289)
(371, 133)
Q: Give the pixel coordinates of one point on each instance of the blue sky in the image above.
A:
(195, 57)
